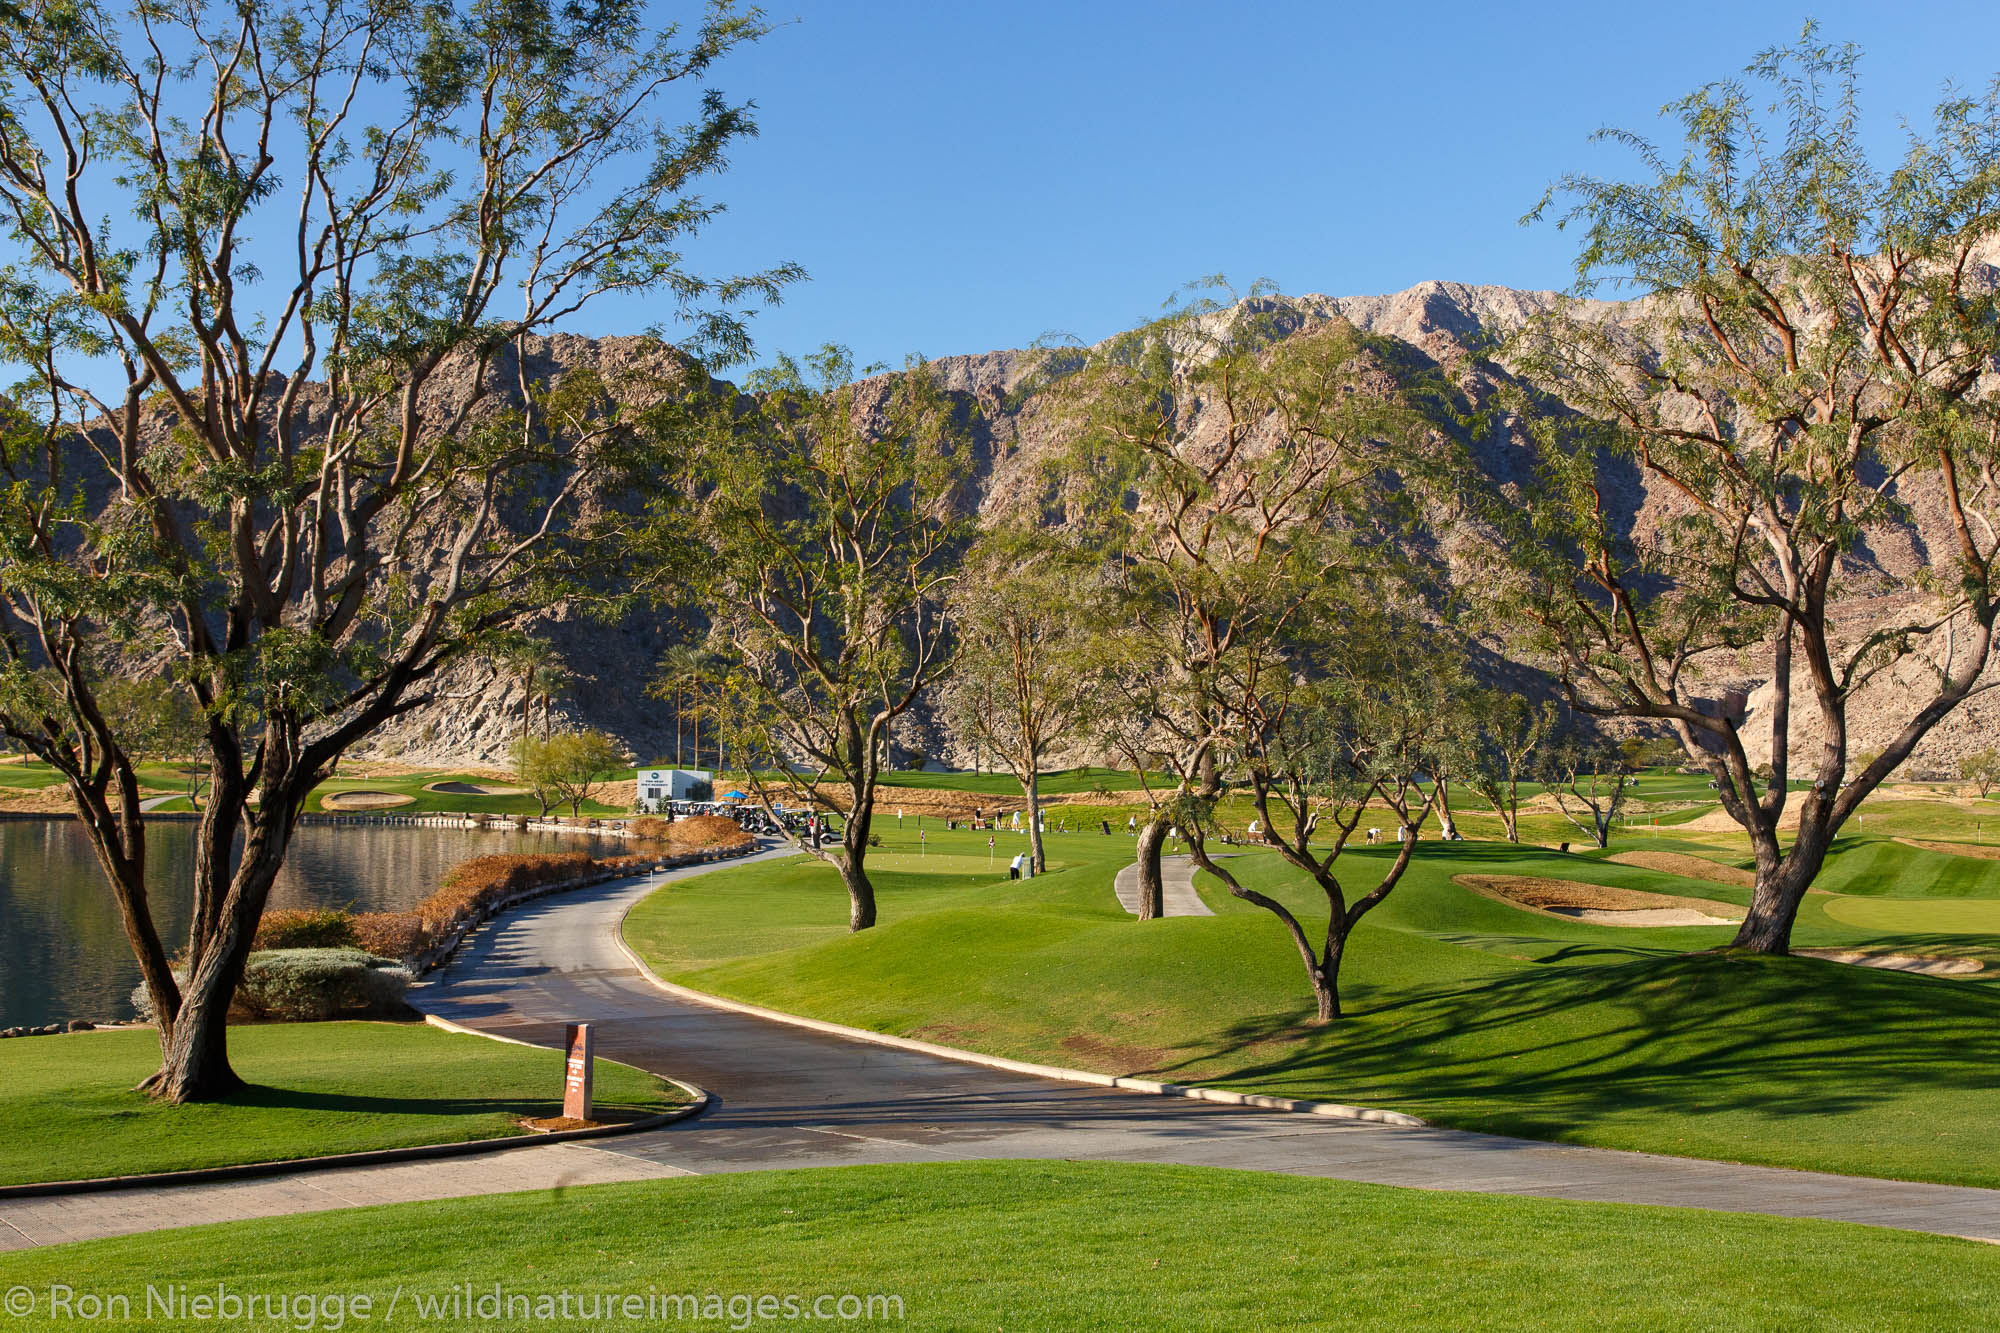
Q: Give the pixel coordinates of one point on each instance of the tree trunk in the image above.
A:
(1448, 827)
(527, 712)
(1781, 886)
(1326, 981)
(1510, 819)
(860, 897)
(853, 865)
(194, 1063)
(1033, 789)
(1152, 893)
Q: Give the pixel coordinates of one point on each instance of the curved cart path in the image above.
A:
(1177, 894)
(791, 1097)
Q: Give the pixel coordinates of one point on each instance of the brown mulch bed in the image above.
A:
(1687, 867)
(1548, 894)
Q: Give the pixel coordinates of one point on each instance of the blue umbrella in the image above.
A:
(735, 796)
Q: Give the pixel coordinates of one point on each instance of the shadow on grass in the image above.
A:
(266, 1098)
(1556, 1046)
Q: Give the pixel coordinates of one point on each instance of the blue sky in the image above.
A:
(960, 176)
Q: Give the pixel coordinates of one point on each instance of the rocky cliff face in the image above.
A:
(479, 712)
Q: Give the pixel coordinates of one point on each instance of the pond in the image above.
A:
(63, 952)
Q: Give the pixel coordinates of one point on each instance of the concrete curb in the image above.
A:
(1262, 1102)
(375, 1157)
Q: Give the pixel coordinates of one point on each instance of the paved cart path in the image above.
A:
(1177, 895)
(791, 1097)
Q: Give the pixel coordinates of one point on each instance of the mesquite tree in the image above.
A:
(832, 517)
(1203, 448)
(1508, 734)
(1338, 721)
(1025, 610)
(1590, 781)
(1811, 369)
(274, 272)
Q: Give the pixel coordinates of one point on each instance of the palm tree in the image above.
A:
(681, 666)
(547, 681)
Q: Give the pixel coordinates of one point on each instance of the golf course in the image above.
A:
(1463, 1008)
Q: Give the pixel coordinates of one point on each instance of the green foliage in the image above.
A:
(1982, 769)
(577, 763)
(313, 487)
(1811, 342)
(315, 928)
(831, 518)
(1228, 472)
(570, 766)
(310, 985)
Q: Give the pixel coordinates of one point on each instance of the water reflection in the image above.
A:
(63, 952)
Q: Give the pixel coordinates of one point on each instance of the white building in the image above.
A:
(659, 785)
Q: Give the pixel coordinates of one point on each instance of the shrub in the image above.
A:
(390, 934)
(309, 985)
(319, 928)
(700, 833)
(473, 886)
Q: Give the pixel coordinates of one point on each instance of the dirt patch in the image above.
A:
(1110, 1055)
(473, 789)
(1600, 904)
(365, 800)
(1972, 849)
(1687, 867)
(1718, 821)
(1930, 965)
(50, 800)
(555, 1123)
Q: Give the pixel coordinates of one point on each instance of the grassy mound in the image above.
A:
(1063, 1245)
(1461, 1009)
(68, 1112)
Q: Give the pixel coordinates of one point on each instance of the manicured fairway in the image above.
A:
(67, 1111)
(1463, 1010)
(1959, 916)
(1053, 1245)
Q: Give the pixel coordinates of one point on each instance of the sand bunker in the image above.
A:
(1687, 867)
(1930, 965)
(1599, 904)
(1718, 820)
(364, 800)
(473, 789)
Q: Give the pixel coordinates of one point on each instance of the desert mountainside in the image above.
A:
(478, 711)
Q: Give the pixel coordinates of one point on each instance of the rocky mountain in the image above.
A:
(607, 668)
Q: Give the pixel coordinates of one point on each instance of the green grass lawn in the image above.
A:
(1062, 1245)
(68, 1112)
(1461, 1009)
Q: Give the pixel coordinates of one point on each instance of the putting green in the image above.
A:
(1964, 916)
